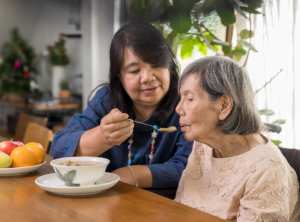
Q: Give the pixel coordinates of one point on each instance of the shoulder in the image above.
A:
(101, 96)
(268, 156)
(271, 184)
(102, 93)
(268, 164)
(100, 101)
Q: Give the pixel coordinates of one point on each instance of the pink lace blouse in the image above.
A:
(258, 185)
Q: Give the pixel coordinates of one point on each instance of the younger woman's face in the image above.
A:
(145, 83)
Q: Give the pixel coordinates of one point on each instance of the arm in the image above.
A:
(140, 175)
(270, 196)
(94, 131)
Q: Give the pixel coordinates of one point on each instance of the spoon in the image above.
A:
(163, 130)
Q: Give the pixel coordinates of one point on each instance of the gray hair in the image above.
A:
(220, 75)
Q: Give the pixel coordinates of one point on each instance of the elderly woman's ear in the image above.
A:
(225, 105)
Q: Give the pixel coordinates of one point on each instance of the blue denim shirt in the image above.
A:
(171, 153)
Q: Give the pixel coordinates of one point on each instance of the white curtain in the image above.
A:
(277, 36)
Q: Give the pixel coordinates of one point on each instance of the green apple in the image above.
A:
(5, 160)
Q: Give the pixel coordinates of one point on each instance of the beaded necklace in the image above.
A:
(152, 149)
(130, 141)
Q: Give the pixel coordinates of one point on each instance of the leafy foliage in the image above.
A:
(17, 66)
(186, 24)
(275, 124)
(276, 142)
(64, 85)
(58, 53)
(191, 24)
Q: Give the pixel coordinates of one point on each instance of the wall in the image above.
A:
(41, 21)
(98, 23)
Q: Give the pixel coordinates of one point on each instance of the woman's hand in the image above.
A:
(114, 129)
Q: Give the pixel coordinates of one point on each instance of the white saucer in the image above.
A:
(17, 171)
(50, 182)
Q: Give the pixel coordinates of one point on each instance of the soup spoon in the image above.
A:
(155, 127)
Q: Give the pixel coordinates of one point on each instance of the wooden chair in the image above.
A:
(57, 127)
(37, 133)
(23, 120)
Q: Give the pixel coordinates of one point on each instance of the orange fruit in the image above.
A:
(38, 151)
(22, 156)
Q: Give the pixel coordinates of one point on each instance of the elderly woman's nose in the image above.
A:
(179, 109)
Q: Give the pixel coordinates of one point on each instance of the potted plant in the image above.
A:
(64, 93)
(59, 59)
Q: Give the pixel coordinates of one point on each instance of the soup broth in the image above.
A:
(78, 163)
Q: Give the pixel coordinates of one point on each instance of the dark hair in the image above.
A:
(219, 76)
(148, 44)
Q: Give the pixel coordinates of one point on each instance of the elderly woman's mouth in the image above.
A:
(183, 127)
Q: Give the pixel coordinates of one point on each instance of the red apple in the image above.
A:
(19, 143)
(8, 146)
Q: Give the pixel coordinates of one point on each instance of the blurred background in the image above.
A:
(48, 47)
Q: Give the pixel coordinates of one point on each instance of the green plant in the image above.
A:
(64, 85)
(58, 53)
(274, 126)
(189, 24)
(17, 67)
(192, 24)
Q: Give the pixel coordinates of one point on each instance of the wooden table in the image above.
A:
(22, 200)
(43, 106)
(55, 111)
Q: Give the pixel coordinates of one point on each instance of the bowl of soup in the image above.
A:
(79, 170)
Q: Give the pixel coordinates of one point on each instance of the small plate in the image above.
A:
(50, 182)
(17, 171)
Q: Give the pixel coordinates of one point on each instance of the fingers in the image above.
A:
(116, 120)
(118, 137)
(122, 126)
(114, 116)
(116, 127)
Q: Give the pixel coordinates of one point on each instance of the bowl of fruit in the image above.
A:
(17, 158)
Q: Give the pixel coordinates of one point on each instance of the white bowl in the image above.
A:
(82, 175)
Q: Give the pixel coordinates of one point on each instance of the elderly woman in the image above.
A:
(233, 172)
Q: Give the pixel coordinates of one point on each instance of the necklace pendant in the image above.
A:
(153, 135)
(152, 151)
(150, 157)
(129, 162)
